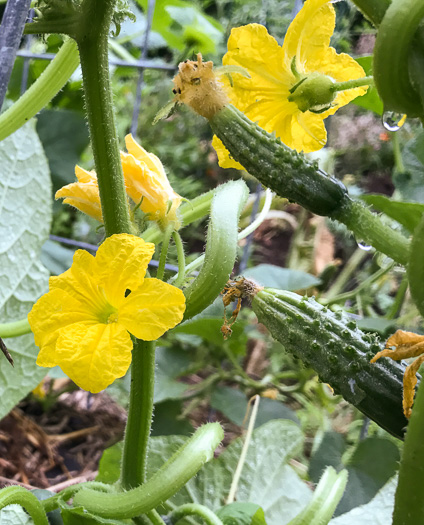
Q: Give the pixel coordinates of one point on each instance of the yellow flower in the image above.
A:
(146, 182)
(83, 194)
(83, 324)
(272, 97)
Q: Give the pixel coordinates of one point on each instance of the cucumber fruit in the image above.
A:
(339, 352)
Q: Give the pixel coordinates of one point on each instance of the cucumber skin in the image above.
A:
(339, 352)
(278, 167)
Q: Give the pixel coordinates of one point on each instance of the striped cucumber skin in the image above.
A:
(339, 352)
(278, 167)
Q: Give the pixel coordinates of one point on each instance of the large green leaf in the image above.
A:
(370, 100)
(406, 213)
(266, 479)
(377, 512)
(14, 515)
(374, 461)
(242, 514)
(25, 213)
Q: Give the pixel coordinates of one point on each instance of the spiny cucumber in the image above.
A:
(267, 158)
(339, 352)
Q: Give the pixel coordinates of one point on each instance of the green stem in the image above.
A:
(168, 480)
(374, 10)
(399, 165)
(344, 276)
(164, 252)
(27, 500)
(409, 506)
(194, 509)
(67, 25)
(52, 503)
(351, 84)
(181, 258)
(363, 286)
(155, 518)
(369, 228)
(47, 85)
(399, 299)
(93, 48)
(140, 414)
(15, 329)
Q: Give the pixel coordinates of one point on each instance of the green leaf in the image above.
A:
(406, 213)
(64, 135)
(170, 364)
(411, 182)
(384, 327)
(209, 329)
(110, 464)
(282, 278)
(416, 267)
(370, 100)
(25, 213)
(266, 478)
(79, 516)
(377, 512)
(56, 258)
(242, 514)
(14, 515)
(233, 404)
(374, 461)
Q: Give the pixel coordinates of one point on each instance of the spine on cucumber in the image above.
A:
(339, 352)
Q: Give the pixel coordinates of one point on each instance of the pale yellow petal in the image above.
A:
(258, 52)
(151, 310)
(151, 160)
(83, 195)
(50, 314)
(121, 263)
(309, 33)
(309, 133)
(93, 357)
(224, 158)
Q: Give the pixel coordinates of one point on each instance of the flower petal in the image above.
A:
(309, 33)
(83, 194)
(152, 161)
(51, 313)
(224, 158)
(121, 263)
(150, 311)
(309, 133)
(93, 357)
(253, 48)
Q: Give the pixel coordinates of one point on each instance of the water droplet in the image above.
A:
(393, 121)
(363, 246)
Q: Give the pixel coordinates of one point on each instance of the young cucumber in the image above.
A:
(339, 352)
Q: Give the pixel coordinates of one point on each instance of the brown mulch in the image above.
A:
(44, 448)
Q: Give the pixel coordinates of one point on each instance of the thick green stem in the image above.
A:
(368, 227)
(15, 328)
(409, 503)
(373, 9)
(24, 498)
(93, 48)
(194, 509)
(47, 85)
(140, 414)
(181, 258)
(168, 480)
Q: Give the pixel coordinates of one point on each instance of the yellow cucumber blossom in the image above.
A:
(83, 324)
(289, 89)
(146, 183)
(83, 194)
